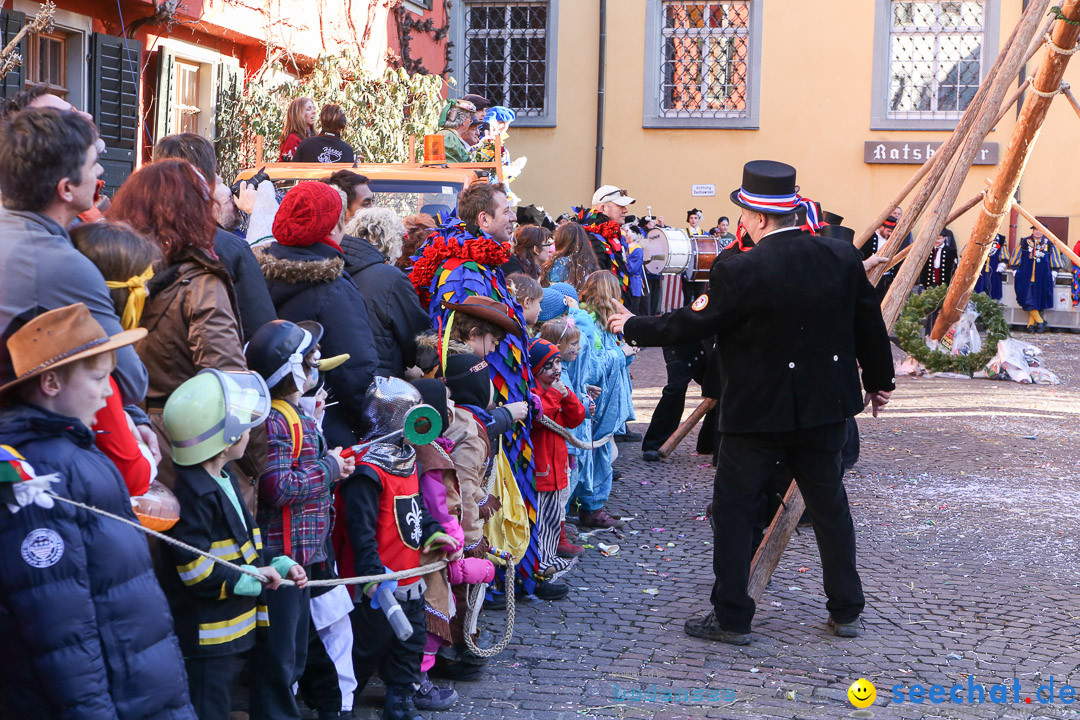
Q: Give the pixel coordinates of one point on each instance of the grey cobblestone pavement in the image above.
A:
(965, 507)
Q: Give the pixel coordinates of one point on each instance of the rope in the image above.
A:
(569, 437)
(474, 600)
(1001, 214)
(1045, 94)
(1057, 48)
(1057, 13)
(399, 575)
(474, 603)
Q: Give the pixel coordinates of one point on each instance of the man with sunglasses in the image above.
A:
(604, 222)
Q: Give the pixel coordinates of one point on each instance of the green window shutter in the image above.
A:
(115, 64)
(166, 91)
(10, 24)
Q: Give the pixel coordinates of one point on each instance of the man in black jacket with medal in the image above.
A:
(794, 319)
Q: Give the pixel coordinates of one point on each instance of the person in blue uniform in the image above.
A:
(1037, 262)
(989, 281)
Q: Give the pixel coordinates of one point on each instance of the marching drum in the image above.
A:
(705, 251)
(668, 251)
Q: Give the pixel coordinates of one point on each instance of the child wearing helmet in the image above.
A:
(383, 526)
(215, 608)
(295, 492)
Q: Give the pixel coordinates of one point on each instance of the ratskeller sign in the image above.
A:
(906, 152)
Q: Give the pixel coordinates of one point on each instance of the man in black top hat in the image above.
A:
(789, 379)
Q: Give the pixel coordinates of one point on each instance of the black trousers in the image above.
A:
(377, 648)
(684, 363)
(210, 684)
(745, 464)
(279, 664)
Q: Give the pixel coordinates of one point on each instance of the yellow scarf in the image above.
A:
(136, 298)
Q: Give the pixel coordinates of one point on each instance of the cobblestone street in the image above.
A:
(964, 503)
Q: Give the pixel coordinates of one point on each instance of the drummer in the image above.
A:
(693, 220)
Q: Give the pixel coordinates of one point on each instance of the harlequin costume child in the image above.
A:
(216, 609)
(458, 261)
(1037, 262)
(549, 450)
(385, 526)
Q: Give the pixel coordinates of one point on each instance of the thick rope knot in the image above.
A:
(1057, 48)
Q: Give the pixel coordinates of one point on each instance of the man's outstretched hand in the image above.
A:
(877, 400)
(616, 322)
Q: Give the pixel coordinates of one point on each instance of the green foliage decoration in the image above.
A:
(909, 328)
(383, 111)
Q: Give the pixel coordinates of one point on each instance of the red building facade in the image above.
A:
(148, 68)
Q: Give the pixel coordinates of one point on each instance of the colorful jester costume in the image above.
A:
(606, 237)
(456, 261)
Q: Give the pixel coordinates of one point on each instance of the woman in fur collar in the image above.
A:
(305, 273)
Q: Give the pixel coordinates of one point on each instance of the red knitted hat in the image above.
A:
(307, 215)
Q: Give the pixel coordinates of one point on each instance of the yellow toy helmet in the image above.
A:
(210, 412)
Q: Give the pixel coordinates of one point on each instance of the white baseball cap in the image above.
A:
(610, 193)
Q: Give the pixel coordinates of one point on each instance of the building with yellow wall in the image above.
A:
(694, 89)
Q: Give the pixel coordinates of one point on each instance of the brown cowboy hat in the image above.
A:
(60, 337)
(485, 308)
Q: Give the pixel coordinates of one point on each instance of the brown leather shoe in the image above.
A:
(599, 519)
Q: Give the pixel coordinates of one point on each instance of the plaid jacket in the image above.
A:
(304, 485)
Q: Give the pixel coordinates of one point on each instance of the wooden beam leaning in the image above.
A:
(775, 540)
(686, 426)
(1065, 249)
(1045, 85)
(1014, 60)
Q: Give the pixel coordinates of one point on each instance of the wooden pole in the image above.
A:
(1046, 83)
(1065, 250)
(1068, 93)
(687, 425)
(1014, 59)
(776, 539)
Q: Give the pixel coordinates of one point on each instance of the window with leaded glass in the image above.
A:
(702, 63)
(935, 57)
(705, 60)
(506, 54)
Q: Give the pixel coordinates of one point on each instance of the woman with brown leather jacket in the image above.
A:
(191, 312)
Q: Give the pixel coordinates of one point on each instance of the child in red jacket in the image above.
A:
(549, 450)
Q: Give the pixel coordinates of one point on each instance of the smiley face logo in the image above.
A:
(862, 693)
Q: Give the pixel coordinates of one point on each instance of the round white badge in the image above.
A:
(42, 548)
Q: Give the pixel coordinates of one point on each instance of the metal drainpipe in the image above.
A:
(600, 90)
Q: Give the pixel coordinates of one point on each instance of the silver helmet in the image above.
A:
(386, 403)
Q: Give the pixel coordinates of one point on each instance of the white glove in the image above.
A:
(1053, 274)
(32, 492)
(261, 224)
(1001, 267)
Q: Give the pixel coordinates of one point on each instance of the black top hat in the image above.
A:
(833, 219)
(767, 187)
(838, 232)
